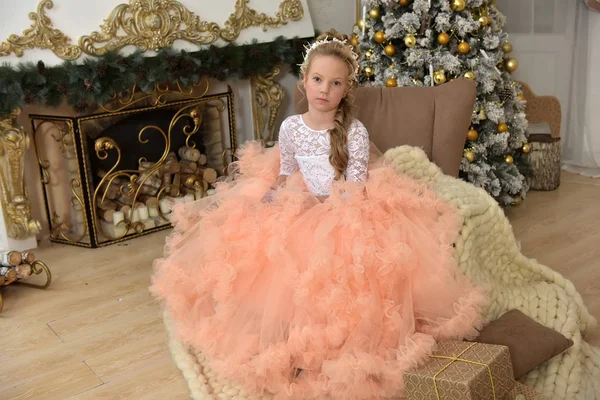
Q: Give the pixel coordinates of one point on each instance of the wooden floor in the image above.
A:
(97, 334)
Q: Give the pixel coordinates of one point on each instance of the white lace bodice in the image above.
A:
(308, 150)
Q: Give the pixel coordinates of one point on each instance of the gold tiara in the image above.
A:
(318, 43)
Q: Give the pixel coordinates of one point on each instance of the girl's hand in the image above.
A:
(268, 197)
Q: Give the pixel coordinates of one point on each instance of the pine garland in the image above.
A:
(96, 80)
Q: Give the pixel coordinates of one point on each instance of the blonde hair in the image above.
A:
(338, 135)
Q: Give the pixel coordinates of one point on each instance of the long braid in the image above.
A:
(338, 138)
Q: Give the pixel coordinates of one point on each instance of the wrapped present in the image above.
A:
(462, 371)
(523, 392)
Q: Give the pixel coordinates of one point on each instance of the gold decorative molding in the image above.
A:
(267, 96)
(14, 195)
(41, 35)
(147, 25)
(245, 17)
(156, 24)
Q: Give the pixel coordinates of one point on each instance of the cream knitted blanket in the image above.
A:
(488, 253)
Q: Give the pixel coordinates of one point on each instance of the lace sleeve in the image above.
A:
(286, 149)
(358, 153)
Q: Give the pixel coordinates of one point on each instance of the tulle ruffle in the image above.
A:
(305, 299)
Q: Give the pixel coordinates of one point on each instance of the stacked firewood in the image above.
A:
(186, 176)
(14, 266)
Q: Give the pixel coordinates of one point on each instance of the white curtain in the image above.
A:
(581, 143)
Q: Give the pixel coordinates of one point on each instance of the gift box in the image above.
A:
(462, 371)
(523, 392)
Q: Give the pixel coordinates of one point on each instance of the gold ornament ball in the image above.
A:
(390, 49)
(457, 5)
(472, 135)
(526, 148)
(521, 96)
(485, 20)
(470, 155)
(368, 72)
(470, 75)
(464, 48)
(391, 82)
(404, 2)
(517, 201)
(369, 54)
(502, 127)
(439, 77)
(443, 38)
(511, 65)
(379, 37)
(374, 13)
(361, 24)
(508, 159)
(354, 41)
(410, 40)
(507, 47)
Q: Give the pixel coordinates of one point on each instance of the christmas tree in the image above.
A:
(431, 42)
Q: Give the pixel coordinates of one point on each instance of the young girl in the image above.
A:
(317, 272)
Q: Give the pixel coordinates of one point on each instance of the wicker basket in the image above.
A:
(544, 158)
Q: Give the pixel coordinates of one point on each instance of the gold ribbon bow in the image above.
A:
(453, 360)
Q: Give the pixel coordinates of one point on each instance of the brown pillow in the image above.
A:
(529, 342)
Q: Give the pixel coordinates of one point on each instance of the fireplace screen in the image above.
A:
(112, 176)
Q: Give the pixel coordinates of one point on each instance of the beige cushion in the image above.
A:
(436, 118)
(529, 342)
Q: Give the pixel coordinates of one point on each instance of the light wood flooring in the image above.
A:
(97, 334)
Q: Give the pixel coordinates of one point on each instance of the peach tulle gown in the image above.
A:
(311, 300)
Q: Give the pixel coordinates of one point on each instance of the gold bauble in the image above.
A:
(484, 20)
(511, 65)
(517, 201)
(464, 48)
(404, 2)
(354, 41)
(410, 40)
(457, 5)
(507, 47)
(470, 155)
(470, 75)
(508, 159)
(391, 82)
(390, 49)
(374, 13)
(361, 24)
(369, 54)
(368, 72)
(502, 127)
(443, 38)
(521, 96)
(526, 148)
(379, 37)
(472, 135)
(439, 77)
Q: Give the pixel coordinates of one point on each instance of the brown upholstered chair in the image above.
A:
(435, 119)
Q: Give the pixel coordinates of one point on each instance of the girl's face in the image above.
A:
(326, 83)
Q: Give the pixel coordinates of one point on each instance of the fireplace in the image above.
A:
(112, 175)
